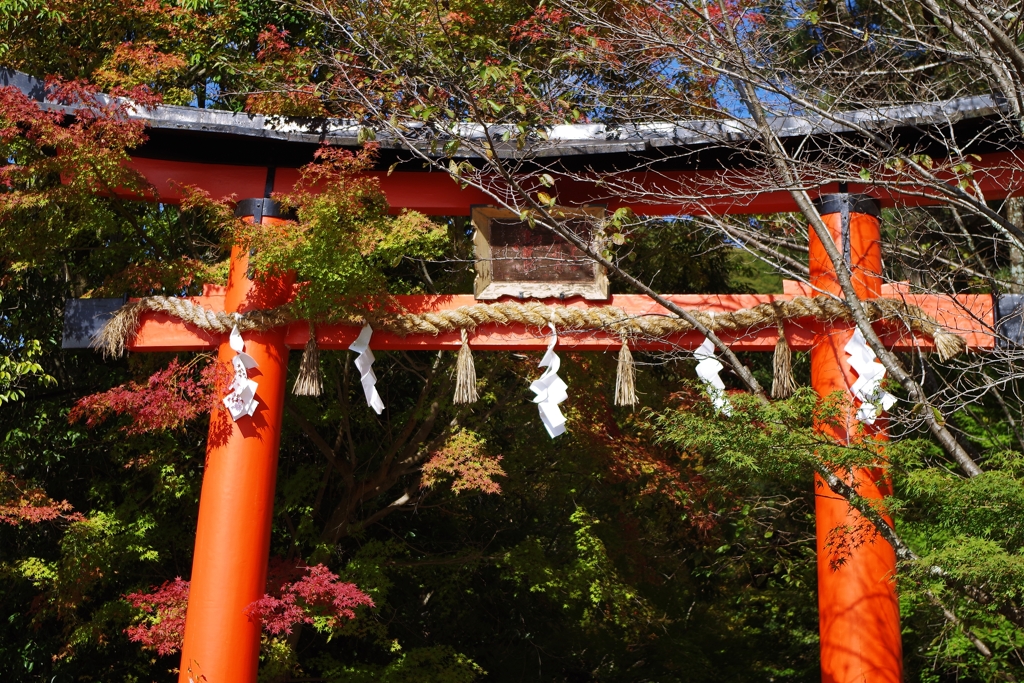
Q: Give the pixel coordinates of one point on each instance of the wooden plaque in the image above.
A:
(513, 259)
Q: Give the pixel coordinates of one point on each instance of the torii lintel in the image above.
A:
(656, 192)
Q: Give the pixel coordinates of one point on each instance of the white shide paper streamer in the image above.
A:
(708, 368)
(364, 363)
(241, 398)
(874, 400)
(551, 390)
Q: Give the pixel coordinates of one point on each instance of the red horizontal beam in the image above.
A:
(663, 193)
(971, 316)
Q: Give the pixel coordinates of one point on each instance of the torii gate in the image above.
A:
(225, 154)
(859, 614)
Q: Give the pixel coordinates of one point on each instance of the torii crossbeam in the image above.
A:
(859, 615)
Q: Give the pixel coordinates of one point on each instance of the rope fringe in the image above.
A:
(783, 384)
(625, 378)
(115, 335)
(947, 344)
(122, 327)
(465, 374)
(309, 382)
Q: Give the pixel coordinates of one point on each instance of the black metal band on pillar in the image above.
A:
(258, 208)
(858, 203)
(845, 204)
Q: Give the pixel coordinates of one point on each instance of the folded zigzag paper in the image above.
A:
(364, 363)
(868, 387)
(708, 368)
(551, 390)
(241, 398)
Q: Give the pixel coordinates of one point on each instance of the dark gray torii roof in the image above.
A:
(189, 132)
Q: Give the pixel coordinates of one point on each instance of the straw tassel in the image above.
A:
(783, 384)
(308, 382)
(114, 335)
(948, 345)
(465, 374)
(625, 378)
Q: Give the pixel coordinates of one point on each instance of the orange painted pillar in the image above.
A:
(229, 569)
(857, 604)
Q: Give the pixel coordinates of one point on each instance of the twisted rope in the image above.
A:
(615, 319)
(113, 337)
(125, 322)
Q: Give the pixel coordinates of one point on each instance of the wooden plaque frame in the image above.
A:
(486, 287)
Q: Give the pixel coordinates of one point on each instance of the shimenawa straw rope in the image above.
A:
(114, 336)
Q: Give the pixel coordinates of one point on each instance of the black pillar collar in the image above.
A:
(258, 208)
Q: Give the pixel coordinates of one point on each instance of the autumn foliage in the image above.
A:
(168, 399)
(162, 627)
(463, 458)
(288, 68)
(56, 163)
(319, 598)
(21, 503)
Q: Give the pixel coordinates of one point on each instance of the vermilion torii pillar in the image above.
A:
(229, 568)
(858, 610)
(859, 619)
